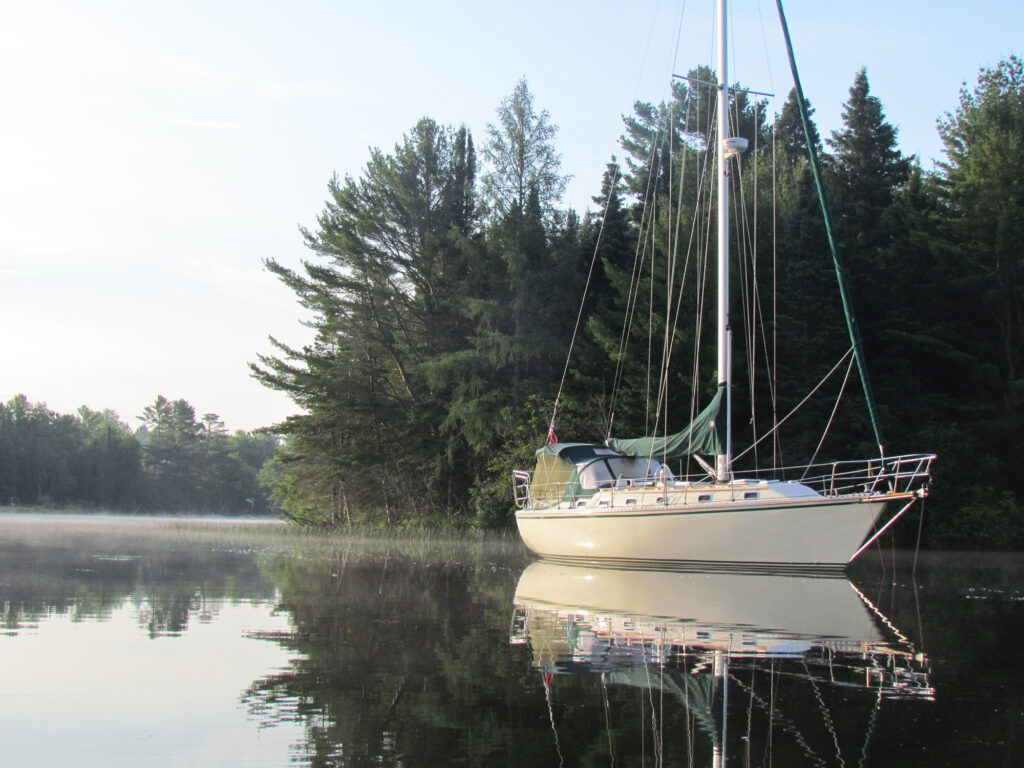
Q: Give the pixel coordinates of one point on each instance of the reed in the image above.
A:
(426, 544)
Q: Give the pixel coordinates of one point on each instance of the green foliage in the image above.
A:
(518, 443)
(389, 294)
(981, 184)
(867, 164)
(38, 454)
(789, 131)
(193, 464)
(521, 155)
(426, 327)
(92, 459)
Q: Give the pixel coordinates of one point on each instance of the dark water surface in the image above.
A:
(139, 642)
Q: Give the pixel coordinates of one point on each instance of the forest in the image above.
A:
(173, 462)
(445, 281)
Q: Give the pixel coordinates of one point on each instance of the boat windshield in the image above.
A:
(604, 473)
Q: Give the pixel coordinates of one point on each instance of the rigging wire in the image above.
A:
(586, 290)
(774, 371)
(755, 314)
(764, 42)
(917, 546)
(647, 198)
(672, 317)
(748, 747)
(608, 719)
(881, 617)
(786, 723)
(548, 678)
(839, 399)
(826, 716)
(746, 257)
(645, 230)
(662, 162)
(799, 405)
(656, 736)
(851, 322)
(669, 269)
(773, 692)
(917, 601)
(690, 716)
(670, 139)
(746, 235)
(604, 216)
(865, 750)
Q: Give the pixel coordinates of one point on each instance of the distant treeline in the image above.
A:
(444, 284)
(173, 462)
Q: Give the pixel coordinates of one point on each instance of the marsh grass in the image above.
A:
(147, 533)
(426, 544)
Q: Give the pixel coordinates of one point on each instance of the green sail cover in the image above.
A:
(706, 435)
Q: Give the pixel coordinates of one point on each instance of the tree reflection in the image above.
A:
(89, 570)
(396, 663)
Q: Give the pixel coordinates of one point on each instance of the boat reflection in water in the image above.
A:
(728, 667)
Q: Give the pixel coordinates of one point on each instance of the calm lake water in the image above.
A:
(140, 642)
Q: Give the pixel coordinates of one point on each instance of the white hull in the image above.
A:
(806, 530)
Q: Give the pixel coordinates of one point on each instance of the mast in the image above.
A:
(723, 462)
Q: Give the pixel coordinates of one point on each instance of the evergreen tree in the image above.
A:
(190, 464)
(40, 449)
(111, 461)
(868, 167)
(171, 454)
(789, 131)
(442, 318)
(983, 226)
(867, 170)
(522, 186)
(388, 297)
(981, 181)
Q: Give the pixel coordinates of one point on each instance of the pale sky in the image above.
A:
(154, 152)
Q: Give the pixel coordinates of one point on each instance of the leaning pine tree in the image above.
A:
(383, 292)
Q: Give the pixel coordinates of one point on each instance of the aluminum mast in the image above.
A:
(723, 462)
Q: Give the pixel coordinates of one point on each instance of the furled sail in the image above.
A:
(705, 435)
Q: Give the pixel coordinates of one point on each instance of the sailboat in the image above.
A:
(620, 501)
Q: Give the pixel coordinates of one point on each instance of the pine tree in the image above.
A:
(981, 181)
(866, 171)
(868, 167)
(388, 297)
(523, 185)
(789, 131)
(983, 224)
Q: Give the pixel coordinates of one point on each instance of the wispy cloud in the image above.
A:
(22, 97)
(197, 71)
(218, 125)
(274, 88)
(283, 89)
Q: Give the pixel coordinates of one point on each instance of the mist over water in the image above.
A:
(133, 641)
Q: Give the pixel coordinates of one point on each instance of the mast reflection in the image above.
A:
(783, 666)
